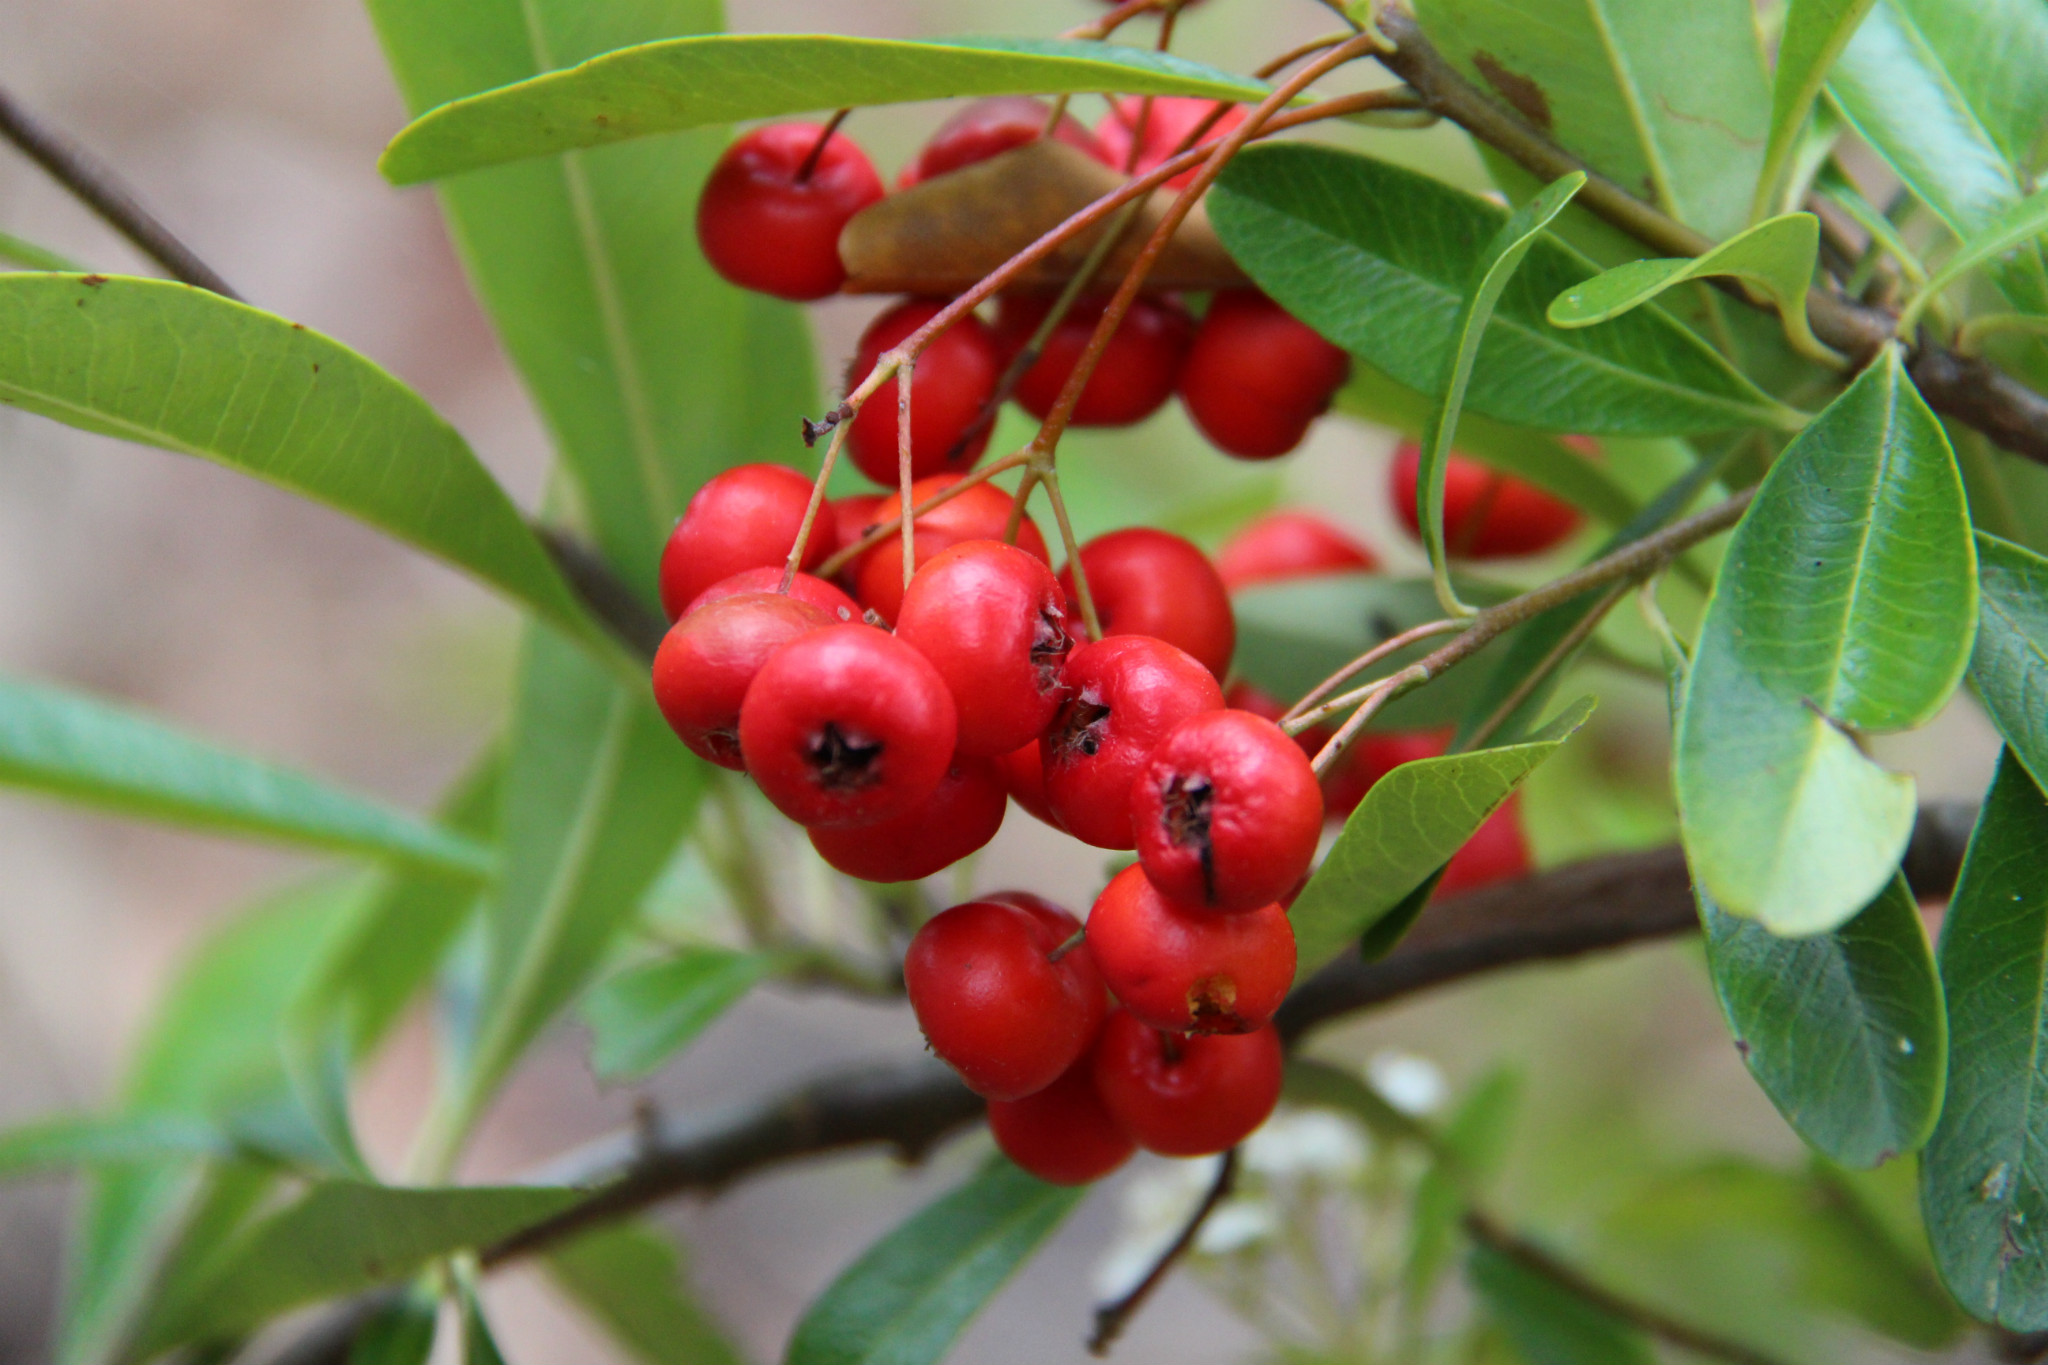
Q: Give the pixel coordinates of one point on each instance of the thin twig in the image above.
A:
(881, 531)
(1111, 1318)
(1581, 631)
(817, 152)
(1393, 644)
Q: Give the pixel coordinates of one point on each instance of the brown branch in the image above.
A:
(1111, 1318)
(608, 597)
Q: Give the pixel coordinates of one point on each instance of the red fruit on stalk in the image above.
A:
(1167, 124)
(745, 518)
(991, 619)
(993, 1002)
(1498, 851)
(954, 379)
(1023, 774)
(1185, 968)
(847, 726)
(1256, 376)
(804, 588)
(1186, 1096)
(764, 229)
(1285, 545)
(709, 659)
(1137, 371)
(851, 518)
(1062, 1134)
(1487, 514)
(981, 513)
(960, 816)
(1149, 582)
(988, 128)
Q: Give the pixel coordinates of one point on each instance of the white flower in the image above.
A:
(1410, 1083)
(1307, 1142)
(1237, 1224)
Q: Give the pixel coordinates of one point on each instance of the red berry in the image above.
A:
(1496, 852)
(1024, 777)
(847, 726)
(1227, 812)
(957, 819)
(1167, 124)
(1256, 376)
(804, 588)
(1186, 1096)
(1284, 545)
(1487, 515)
(1243, 696)
(1148, 582)
(980, 513)
(991, 619)
(1183, 968)
(1129, 693)
(853, 517)
(745, 518)
(988, 128)
(1138, 369)
(763, 229)
(992, 1002)
(1063, 1133)
(709, 659)
(955, 378)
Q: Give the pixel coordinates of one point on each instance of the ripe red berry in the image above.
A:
(1150, 582)
(957, 819)
(988, 128)
(847, 726)
(991, 619)
(1190, 970)
(709, 658)
(1186, 1096)
(1138, 369)
(1285, 545)
(1023, 777)
(1166, 126)
(745, 518)
(1497, 852)
(1062, 1134)
(981, 513)
(1487, 514)
(954, 379)
(804, 588)
(992, 1001)
(852, 517)
(1227, 812)
(1256, 376)
(763, 229)
(1128, 693)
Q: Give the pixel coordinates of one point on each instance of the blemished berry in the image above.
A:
(1487, 514)
(1138, 368)
(709, 659)
(954, 379)
(960, 816)
(1256, 376)
(1287, 545)
(1128, 693)
(1166, 126)
(1498, 851)
(980, 513)
(991, 619)
(1188, 969)
(1227, 812)
(1152, 582)
(993, 1002)
(989, 128)
(1063, 1133)
(847, 726)
(804, 588)
(1186, 1096)
(763, 229)
(744, 518)
(1023, 774)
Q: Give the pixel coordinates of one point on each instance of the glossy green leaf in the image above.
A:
(1994, 51)
(169, 365)
(1378, 259)
(1474, 1143)
(29, 256)
(1815, 33)
(100, 755)
(1843, 1030)
(106, 1140)
(1408, 826)
(2009, 664)
(630, 1279)
(399, 1333)
(645, 1014)
(1495, 267)
(1846, 603)
(1776, 256)
(1548, 1324)
(1984, 1181)
(662, 87)
(2014, 228)
(908, 1296)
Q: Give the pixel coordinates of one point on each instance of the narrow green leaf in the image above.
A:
(100, 755)
(107, 1140)
(1843, 1030)
(1475, 1143)
(645, 1014)
(1994, 52)
(1408, 826)
(479, 1345)
(1846, 603)
(1548, 1324)
(399, 1333)
(29, 256)
(2015, 227)
(1378, 259)
(1983, 1181)
(908, 1296)
(1496, 266)
(1815, 33)
(630, 1279)
(2009, 664)
(662, 87)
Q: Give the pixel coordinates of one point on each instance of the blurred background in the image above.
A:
(252, 128)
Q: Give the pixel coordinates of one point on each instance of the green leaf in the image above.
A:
(1474, 1144)
(29, 256)
(1548, 1324)
(399, 1333)
(1994, 51)
(1983, 1181)
(1408, 826)
(1495, 267)
(479, 1346)
(1378, 259)
(908, 1296)
(1776, 256)
(643, 1015)
(1846, 603)
(2016, 227)
(106, 1140)
(630, 1279)
(662, 87)
(100, 755)
(1843, 1030)
(2009, 664)
(1815, 33)
(169, 365)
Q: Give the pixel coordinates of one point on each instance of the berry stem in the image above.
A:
(1071, 942)
(1111, 1318)
(877, 534)
(1049, 476)
(1293, 722)
(803, 531)
(1374, 696)
(817, 152)
(1097, 30)
(1015, 523)
(1580, 632)
(909, 517)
